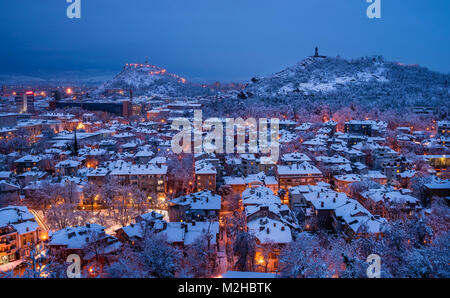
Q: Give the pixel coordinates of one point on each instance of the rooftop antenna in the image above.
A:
(146, 60)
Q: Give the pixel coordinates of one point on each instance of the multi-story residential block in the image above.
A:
(20, 234)
(367, 128)
(150, 178)
(297, 174)
(25, 102)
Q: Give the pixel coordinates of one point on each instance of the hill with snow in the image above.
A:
(368, 80)
(146, 79)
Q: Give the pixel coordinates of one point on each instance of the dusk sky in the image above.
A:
(216, 40)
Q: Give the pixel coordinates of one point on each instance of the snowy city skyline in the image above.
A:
(198, 142)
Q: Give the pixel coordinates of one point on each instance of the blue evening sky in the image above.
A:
(225, 40)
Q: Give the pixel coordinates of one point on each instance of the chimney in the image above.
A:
(321, 204)
(282, 228)
(261, 228)
(268, 231)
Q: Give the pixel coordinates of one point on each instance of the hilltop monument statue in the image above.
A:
(316, 54)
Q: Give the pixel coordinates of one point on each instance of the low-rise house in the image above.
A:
(108, 145)
(90, 242)
(205, 176)
(377, 177)
(321, 206)
(187, 233)
(98, 175)
(443, 128)
(259, 196)
(145, 223)
(382, 155)
(233, 166)
(129, 147)
(6, 175)
(342, 182)
(392, 168)
(237, 184)
(335, 211)
(271, 236)
(9, 192)
(279, 212)
(355, 221)
(333, 165)
(143, 156)
(249, 164)
(355, 155)
(124, 137)
(93, 157)
(297, 200)
(390, 203)
(440, 163)
(68, 167)
(261, 179)
(27, 163)
(295, 157)
(359, 168)
(405, 177)
(31, 176)
(197, 206)
(439, 188)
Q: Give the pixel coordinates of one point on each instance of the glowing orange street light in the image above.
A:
(69, 91)
(43, 236)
